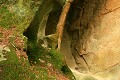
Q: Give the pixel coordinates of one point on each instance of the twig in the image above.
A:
(13, 45)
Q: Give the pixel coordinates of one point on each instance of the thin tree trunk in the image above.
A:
(61, 22)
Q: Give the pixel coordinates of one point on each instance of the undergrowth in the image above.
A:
(49, 56)
(40, 60)
(15, 68)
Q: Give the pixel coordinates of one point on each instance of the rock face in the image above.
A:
(95, 40)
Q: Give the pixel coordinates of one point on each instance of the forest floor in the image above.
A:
(14, 63)
(11, 40)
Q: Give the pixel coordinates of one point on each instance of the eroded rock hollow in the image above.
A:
(91, 39)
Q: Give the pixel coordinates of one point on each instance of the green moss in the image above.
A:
(19, 69)
(6, 16)
(11, 14)
(41, 56)
(56, 58)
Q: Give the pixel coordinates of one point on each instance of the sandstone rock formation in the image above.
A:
(92, 47)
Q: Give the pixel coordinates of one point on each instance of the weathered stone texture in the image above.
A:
(99, 38)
